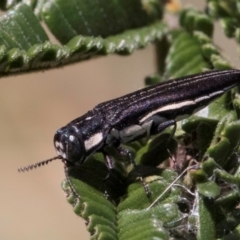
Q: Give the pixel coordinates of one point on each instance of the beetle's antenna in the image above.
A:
(38, 164)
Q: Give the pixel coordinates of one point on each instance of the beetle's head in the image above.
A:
(69, 146)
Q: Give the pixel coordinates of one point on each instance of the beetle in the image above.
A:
(136, 115)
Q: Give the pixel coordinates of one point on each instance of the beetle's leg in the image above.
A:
(171, 156)
(109, 163)
(164, 125)
(172, 132)
(127, 152)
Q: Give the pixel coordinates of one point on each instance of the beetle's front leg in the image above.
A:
(109, 161)
(127, 152)
(110, 164)
(164, 125)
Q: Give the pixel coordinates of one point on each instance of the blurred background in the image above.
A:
(33, 107)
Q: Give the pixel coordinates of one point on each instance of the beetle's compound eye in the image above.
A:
(68, 147)
(74, 149)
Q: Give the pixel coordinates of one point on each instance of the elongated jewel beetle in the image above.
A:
(136, 115)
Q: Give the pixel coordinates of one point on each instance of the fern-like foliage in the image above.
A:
(84, 29)
(195, 191)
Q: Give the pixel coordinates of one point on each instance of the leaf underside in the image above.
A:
(84, 29)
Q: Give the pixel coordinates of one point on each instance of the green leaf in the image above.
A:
(66, 19)
(184, 47)
(206, 224)
(228, 12)
(226, 139)
(208, 189)
(21, 29)
(194, 20)
(89, 34)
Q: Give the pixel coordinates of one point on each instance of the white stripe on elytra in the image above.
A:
(167, 107)
(180, 105)
(216, 93)
(93, 141)
(208, 96)
(201, 98)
